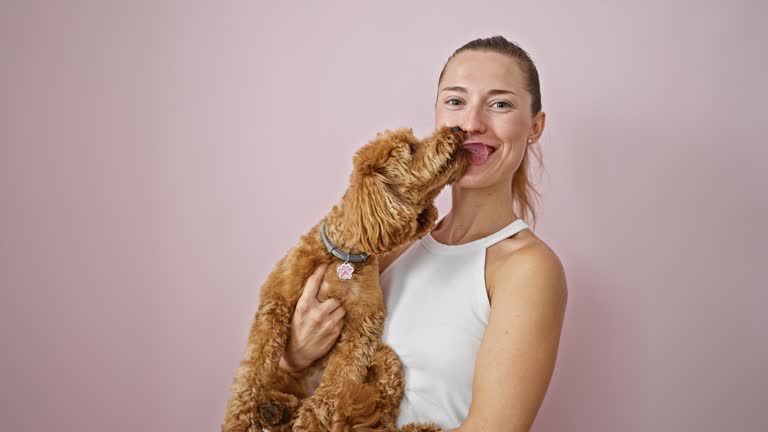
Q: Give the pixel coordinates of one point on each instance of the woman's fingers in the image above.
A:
(337, 315)
(329, 305)
(315, 325)
(337, 329)
(329, 322)
(326, 314)
(308, 297)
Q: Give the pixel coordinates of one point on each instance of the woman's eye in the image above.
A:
(451, 102)
(502, 104)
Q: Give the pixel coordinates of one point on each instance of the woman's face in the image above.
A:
(484, 93)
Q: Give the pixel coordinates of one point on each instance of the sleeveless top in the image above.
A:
(437, 311)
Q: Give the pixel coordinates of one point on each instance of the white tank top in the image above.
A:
(437, 311)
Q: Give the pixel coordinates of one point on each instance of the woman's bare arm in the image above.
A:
(519, 348)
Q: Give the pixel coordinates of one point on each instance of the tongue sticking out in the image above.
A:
(480, 152)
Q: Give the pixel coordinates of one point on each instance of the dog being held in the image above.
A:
(390, 201)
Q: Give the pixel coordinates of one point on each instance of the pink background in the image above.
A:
(157, 158)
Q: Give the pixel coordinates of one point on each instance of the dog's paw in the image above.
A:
(278, 411)
(275, 414)
(421, 427)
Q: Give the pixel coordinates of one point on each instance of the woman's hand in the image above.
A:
(315, 325)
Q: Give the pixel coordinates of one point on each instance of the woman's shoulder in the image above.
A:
(523, 250)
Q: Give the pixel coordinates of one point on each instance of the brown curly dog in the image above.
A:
(390, 201)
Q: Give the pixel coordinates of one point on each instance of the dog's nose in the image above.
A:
(459, 133)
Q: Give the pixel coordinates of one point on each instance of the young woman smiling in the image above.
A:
(476, 307)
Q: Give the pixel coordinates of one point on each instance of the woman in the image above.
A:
(476, 307)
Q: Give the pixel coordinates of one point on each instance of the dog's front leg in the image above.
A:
(254, 403)
(349, 362)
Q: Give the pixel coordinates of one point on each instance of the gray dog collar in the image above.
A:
(339, 254)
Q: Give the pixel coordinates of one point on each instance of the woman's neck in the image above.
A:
(475, 214)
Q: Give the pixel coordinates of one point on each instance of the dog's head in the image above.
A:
(395, 181)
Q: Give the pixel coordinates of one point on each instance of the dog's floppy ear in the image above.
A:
(377, 222)
(369, 160)
(372, 157)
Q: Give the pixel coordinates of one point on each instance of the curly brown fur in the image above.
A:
(390, 201)
(374, 404)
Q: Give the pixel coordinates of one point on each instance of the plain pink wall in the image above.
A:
(157, 158)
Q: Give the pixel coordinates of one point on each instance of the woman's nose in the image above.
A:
(474, 120)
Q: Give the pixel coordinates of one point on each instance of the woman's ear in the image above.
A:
(537, 127)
